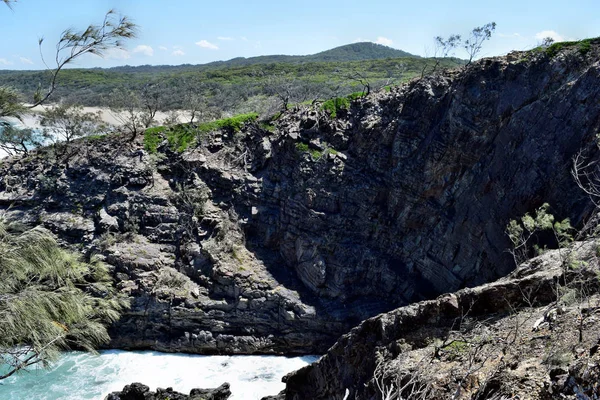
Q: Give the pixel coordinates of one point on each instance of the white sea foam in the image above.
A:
(28, 121)
(84, 376)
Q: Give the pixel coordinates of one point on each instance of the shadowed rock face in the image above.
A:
(249, 242)
(434, 172)
(495, 339)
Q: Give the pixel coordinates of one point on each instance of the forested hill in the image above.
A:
(350, 52)
(229, 85)
(359, 51)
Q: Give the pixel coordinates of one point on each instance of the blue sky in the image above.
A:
(195, 32)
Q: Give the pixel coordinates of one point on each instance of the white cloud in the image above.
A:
(207, 45)
(117, 54)
(163, 48)
(4, 61)
(551, 34)
(385, 41)
(25, 60)
(178, 53)
(226, 38)
(144, 49)
(244, 38)
(510, 35)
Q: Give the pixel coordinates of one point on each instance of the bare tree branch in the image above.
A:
(95, 39)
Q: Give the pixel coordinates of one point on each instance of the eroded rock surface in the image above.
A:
(279, 242)
(531, 335)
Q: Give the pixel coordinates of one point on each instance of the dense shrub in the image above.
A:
(152, 138)
(181, 136)
(337, 104)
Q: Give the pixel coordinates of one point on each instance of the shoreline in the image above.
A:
(79, 373)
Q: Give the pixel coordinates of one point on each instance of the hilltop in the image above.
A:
(351, 52)
(359, 51)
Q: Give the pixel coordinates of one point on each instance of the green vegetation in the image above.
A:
(302, 147)
(152, 138)
(357, 52)
(267, 126)
(226, 86)
(331, 150)
(555, 48)
(524, 232)
(314, 153)
(584, 46)
(94, 137)
(51, 300)
(181, 136)
(337, 104)
(10, 103)
(356, 95)
(456, 348)
(233, 124)
(69, 121)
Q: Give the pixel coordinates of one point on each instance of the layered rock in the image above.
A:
(176, 245)
(510, 338)
(279, 242)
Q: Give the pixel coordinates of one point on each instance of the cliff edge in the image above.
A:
(278, 239)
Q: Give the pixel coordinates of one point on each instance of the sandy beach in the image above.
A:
(32, 119)
(108, 116)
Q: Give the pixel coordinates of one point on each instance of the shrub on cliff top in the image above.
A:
(181, 136)
(152, 138)
(584, 46)
(233, 124)
(337, 104)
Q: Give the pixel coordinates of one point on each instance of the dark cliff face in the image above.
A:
(509, 338)
(430, 175)
(280, 241)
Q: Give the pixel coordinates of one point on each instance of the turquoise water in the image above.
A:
(83, 376)
(28, 122)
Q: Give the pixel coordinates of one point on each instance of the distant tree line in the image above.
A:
(227, 89)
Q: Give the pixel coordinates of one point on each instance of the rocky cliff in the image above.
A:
(280, 240)
(530, 335)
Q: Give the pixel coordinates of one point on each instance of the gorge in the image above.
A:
(279, 237)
